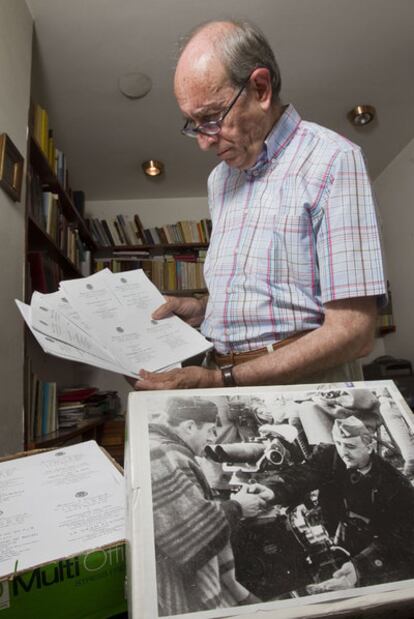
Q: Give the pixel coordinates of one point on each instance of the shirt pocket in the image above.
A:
(287, 250)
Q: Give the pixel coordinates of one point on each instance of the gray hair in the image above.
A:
(242, 49)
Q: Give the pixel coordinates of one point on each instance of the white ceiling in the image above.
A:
(333, 55)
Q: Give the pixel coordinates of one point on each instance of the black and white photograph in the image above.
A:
(271, 497)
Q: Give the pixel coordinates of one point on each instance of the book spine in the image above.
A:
(140, 229)
(108, 232)
(125, 229)
(119, 233)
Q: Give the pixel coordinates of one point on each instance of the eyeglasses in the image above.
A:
(211, 127)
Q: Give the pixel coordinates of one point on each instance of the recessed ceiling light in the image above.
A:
(361, 115)
(152, 167)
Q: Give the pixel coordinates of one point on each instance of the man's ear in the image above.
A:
(187, 426)
(260, 79)
(371, 446)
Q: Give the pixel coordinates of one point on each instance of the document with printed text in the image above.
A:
(105, 320)
(57, 504)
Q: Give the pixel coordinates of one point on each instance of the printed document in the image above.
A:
(57, 504)
(105, 320)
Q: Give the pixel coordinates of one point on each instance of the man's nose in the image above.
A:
(206, 141)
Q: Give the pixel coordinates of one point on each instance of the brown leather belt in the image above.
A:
(234, 358)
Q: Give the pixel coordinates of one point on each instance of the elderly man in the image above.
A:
(366, 505)
(195, 565)
(294, 268)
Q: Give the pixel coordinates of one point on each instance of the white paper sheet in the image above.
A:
(49, 316)
(105, 320)
(58, 503)
(61, 349)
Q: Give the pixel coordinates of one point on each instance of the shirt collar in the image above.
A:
(277, 140)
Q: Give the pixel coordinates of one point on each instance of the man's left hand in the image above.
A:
(347, 575)
(344, 578)
(191, 377)
(266, 493)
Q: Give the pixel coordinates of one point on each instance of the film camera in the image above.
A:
(281, 552)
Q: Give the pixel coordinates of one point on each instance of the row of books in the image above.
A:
(44, 273)
(42, 408)
(170, 272)
(112, 232)
(385, 320)
(184, 231)
(122, 230)
(385, 316)
(43, 134)
(51, 410)
(77, 404)
(45, 209)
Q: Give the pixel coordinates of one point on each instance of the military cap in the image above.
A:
(196, 408)
(350, 427)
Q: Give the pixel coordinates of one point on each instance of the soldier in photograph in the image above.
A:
(194, 558)
(366, 505)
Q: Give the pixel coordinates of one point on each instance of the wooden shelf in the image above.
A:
(113, 438)
(145, 253)
(131, 248)
(381, 331)
(41, 240)
(90, 429)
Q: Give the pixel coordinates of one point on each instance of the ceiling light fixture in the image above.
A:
(152, 167)
(362, 115)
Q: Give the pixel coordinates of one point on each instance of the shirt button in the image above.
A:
(378, 563)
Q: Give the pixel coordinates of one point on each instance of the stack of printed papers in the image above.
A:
(104, 320)
(58, 504)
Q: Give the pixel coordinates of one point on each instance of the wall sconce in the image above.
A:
(362, 115)
(152, 167)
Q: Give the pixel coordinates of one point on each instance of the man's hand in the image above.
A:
(344, 578)
(347, 575)
(263, 491)
(190, 309)
(191, 377)
(251, 504)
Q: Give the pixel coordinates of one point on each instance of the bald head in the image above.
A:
(200, 62)
(236, 47)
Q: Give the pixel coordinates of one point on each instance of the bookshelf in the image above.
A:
(56, 232)
(90, 429)
(172, 255)
(59, 246)
(175, 268)
(385, 318)
(62, 244)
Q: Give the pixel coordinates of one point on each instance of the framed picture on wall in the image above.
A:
(11, 168)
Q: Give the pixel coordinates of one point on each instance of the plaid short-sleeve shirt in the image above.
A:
(297, 230)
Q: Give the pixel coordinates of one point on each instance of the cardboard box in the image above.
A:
(87, 584)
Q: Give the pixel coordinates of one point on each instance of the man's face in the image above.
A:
(353, 451)
(200, 436)
(203, 93)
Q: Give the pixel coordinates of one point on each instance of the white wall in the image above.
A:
(15, 60)
(395, 192)
(151, 212)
